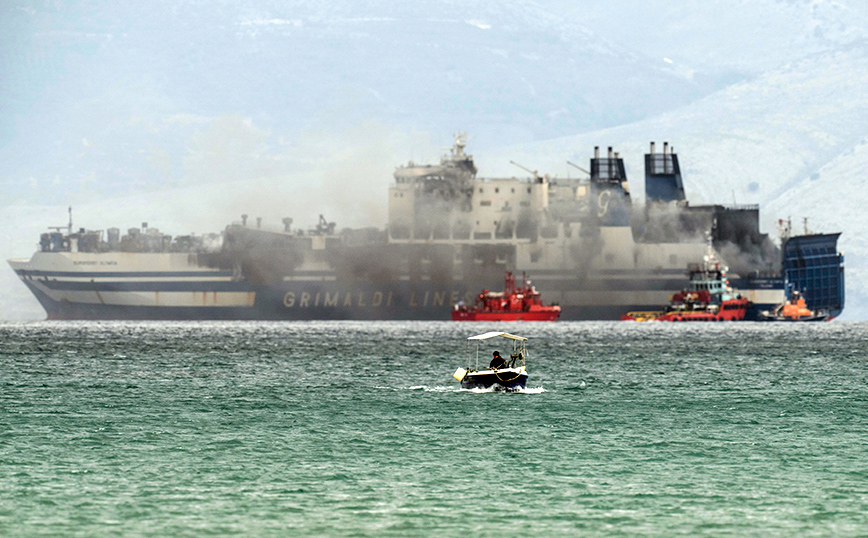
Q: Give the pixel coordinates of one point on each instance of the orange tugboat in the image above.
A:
(795, 309)
(513, 304)
(707, 297)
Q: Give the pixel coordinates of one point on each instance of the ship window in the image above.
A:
(528, 190)
(485, 203)
(496, 190)
(480, 190)
(513, 190)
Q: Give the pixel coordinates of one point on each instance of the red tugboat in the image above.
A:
(707, 297)
(513, 304)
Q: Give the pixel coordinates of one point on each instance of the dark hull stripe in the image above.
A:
(121, 274)
(200, 286)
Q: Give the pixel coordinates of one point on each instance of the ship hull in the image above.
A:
(458, 315)
(137, 295)
(126, 310)
(501, 380)
(803, 319)
(700, 316)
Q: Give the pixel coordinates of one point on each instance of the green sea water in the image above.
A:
(358, 429)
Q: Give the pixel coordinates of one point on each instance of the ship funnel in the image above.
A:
(596, 152)
(244, 219)
(286, 223)
(610, 152)
(663, 176)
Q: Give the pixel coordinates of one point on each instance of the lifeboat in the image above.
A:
(794, 309)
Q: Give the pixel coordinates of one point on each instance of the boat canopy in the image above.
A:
(493, 334)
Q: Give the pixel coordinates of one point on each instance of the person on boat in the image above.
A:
(497, 362)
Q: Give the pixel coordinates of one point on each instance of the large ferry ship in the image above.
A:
(450, 233)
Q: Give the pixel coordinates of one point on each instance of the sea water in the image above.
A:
(358, 429)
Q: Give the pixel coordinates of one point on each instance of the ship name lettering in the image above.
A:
(108, 263)
(439, 298)
(453, 298)
(377, 299)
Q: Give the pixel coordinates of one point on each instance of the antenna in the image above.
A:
(574, 165)
(460, 143)
(70, 220)
(526, 169)
(785, 229)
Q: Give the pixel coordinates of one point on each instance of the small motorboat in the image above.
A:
(794, 309)
(514, 303)
(507, 374)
